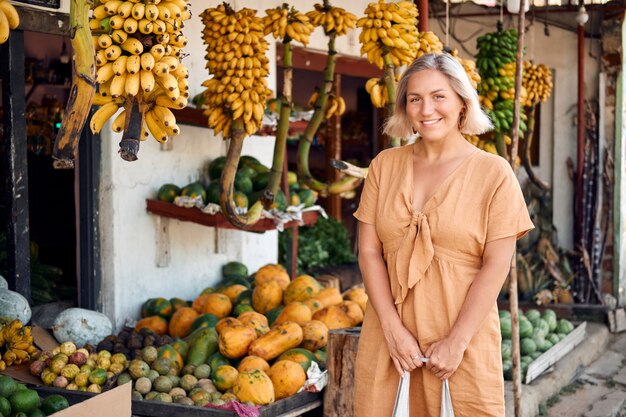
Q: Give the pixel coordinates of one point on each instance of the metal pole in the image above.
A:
(422, 8)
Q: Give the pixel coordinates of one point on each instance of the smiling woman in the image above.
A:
(435, 245)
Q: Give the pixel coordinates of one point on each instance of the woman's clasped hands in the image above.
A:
(403, 349)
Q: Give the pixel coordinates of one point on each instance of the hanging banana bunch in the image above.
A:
(469, 66)
(496, 63)
(390, 39)
(9, 19)
(139, 46)
(83, 87)
(336, 106)
(336, 22)
(236, 95)
(537, 81)
(285, 24)
(428, 43)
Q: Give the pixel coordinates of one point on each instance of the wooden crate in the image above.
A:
(556, 352)
(340, 358)
(289, 407)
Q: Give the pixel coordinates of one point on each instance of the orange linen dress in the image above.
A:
(432, 256)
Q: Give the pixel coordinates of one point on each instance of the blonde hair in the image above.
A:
(475, 120)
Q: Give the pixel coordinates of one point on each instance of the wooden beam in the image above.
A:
(619, 206)
(38, 20)
(316, 61)
(15, 163)
(87, 192)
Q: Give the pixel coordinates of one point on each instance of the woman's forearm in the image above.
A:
(376, 280)
(480, 298)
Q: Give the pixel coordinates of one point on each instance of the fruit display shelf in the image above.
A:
(292, 406)
(218, 220)
(537, 367)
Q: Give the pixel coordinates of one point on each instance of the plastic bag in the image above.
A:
(446, 401)
(401, 406)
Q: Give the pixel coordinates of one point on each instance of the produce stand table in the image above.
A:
(195, 215)
(295, 405)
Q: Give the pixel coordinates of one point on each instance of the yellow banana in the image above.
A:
(119, 66)
(101, 115)
(133, 46)
(133, 64)
(104, 73)
(119, 122)
(147, 80)
(117, 85)
(155, 128)
(13, 19)
(131, 87)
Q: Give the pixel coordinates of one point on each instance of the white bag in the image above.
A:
(446, 401)
(401, 406)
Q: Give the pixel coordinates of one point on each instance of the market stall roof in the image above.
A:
(534, 3)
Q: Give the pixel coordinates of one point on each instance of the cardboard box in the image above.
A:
(112, 403)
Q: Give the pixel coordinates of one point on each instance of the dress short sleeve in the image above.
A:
(366, 212)
(508, 214)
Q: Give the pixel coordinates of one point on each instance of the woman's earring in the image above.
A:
(462, 120)
(414, 130)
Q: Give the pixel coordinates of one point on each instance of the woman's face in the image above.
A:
(433, 107)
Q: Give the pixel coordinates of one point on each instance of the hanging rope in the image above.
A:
(447, 23)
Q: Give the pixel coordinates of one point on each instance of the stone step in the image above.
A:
(577, 404)
(620, 377)
(609, 405)
(606, 366)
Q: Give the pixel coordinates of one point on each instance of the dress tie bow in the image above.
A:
(414, 255)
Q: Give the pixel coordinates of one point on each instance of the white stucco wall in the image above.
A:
(559, 52)
(130, 273)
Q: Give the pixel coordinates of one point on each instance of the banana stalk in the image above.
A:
(283, 127)
(532, 175)
(83, 86)
(129, 145)
(304, 144)
(227, 181)
(349, 169)
(390, 83)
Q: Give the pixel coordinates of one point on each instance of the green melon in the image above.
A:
(168, 192)
(213, 193)
(301, 356)
(280, 201)
(564, 326)
(216, 167)
(527, 346)
(247, 171)
(234, 269)
(243, 183)
(505, 349)
(307, 197)
(260, 181)
(525, 327)
(248, 161)
(194, 189)
(505, 327)
(240, 199)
